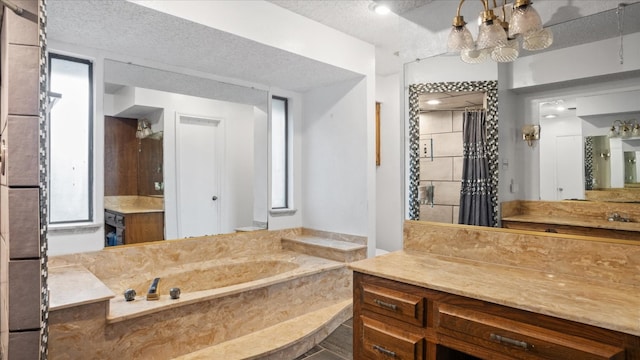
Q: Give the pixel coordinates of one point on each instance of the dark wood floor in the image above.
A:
(337, 346)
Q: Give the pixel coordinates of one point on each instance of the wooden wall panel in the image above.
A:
(120, 156)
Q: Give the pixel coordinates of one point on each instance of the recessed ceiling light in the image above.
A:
(551, 116)
(381, 9)
(434, 102)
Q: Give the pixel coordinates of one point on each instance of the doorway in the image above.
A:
(200, 146)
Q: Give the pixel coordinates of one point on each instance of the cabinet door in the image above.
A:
(144, 227)
(382, 341)
(394, 303)
(481, 332)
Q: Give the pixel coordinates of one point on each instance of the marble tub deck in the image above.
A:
(73, 285)
(131, 204)
(82, 327)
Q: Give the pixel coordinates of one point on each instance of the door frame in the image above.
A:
(220, 161)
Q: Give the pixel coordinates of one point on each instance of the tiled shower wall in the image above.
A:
(21, 174)
(441, 132)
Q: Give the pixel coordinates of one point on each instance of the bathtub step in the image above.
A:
(337, 250)
(286, 340)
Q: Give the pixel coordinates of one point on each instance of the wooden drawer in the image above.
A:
(119, 220)
(113, 219)
(382, 341)
(110, 218)
(394, 303)
(516, 339)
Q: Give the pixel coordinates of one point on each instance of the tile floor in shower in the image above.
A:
(337, 346)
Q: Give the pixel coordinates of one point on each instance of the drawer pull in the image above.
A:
(384, 351)
(385, 304)
(508, 341)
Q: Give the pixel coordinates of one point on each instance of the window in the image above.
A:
(279, 158)
(70, 140)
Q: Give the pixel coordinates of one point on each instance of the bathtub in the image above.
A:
(230, 286)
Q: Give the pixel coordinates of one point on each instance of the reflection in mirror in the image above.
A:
(578, 153)
(597, 169)
(206, 158)
(442, 170)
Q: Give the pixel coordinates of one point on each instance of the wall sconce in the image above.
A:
(605, 156)
(530, 133)
(144, 129)
(624, 129)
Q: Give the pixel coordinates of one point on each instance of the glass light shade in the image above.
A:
(460, 38)
(625, 132)
(491, 35)
(613, 132)
(146, 132)
(474, 56)
(524, 19)
(537, 40)
(506, 53)
(636, 130)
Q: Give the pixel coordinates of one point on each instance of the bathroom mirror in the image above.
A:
(556, 131)
(178, 106)
(600, 162)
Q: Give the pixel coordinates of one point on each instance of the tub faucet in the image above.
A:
(152, 294)
(617, 217)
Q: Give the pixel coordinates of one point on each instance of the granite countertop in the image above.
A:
(74, 285)
(132, 204)
(606, 305)
(571, 221)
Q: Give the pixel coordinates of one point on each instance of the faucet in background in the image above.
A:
(617, 217)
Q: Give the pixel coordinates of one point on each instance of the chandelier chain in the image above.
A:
(620, 13)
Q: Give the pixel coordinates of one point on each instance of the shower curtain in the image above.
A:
(475, 194)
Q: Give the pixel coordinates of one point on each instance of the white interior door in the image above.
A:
(569, 167)
(198, 179)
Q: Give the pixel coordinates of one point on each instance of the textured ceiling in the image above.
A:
(126, 28)
(418, 29)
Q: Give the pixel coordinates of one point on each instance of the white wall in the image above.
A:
(389, 175)
(335, 157)
(261, 165)
(599, 58)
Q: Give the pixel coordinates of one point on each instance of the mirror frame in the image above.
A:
(490, 88)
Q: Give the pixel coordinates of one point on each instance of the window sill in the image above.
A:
(282, 212)
(76, 228)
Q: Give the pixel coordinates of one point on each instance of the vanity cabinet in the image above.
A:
(133, 228)
(394, 320)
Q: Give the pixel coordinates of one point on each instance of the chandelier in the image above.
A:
(498, 38)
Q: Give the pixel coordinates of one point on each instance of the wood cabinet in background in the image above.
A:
(136, 227)
(394, 320)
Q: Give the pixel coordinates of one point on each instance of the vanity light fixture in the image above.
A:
(530, 133)
(624, 129)
(497, 37)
